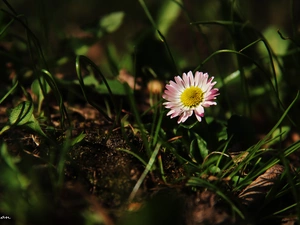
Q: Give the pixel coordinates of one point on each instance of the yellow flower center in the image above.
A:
(191, 97)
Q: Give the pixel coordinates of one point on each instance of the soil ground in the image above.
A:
(100, 176)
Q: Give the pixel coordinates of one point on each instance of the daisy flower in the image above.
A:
(190, 94)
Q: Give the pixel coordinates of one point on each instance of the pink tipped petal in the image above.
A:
(181, 118)
(174, 113)
(214, 91)
(208, 103)
(199, 111)
(178, 80)
(197, 78)
(170, 92)
(184, 116)
(186, 80)
(203, 80)
(191, 78)
(210, 80)
(172, 88)
(199, 118)
(179, 83)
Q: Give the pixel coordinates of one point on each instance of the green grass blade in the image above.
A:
(6, 26)
(198, 182)
(144, 174)
(138, 120)
(38, 62)
(9, 92)
(157, 128)
(279, 121)
(82, 59)
(167, 15)
(50, 80)
(251, 60)
(225, 23)
(144, 6)
(134, 154)
(254, 149)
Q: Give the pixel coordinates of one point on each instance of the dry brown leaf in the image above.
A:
(255, 191)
